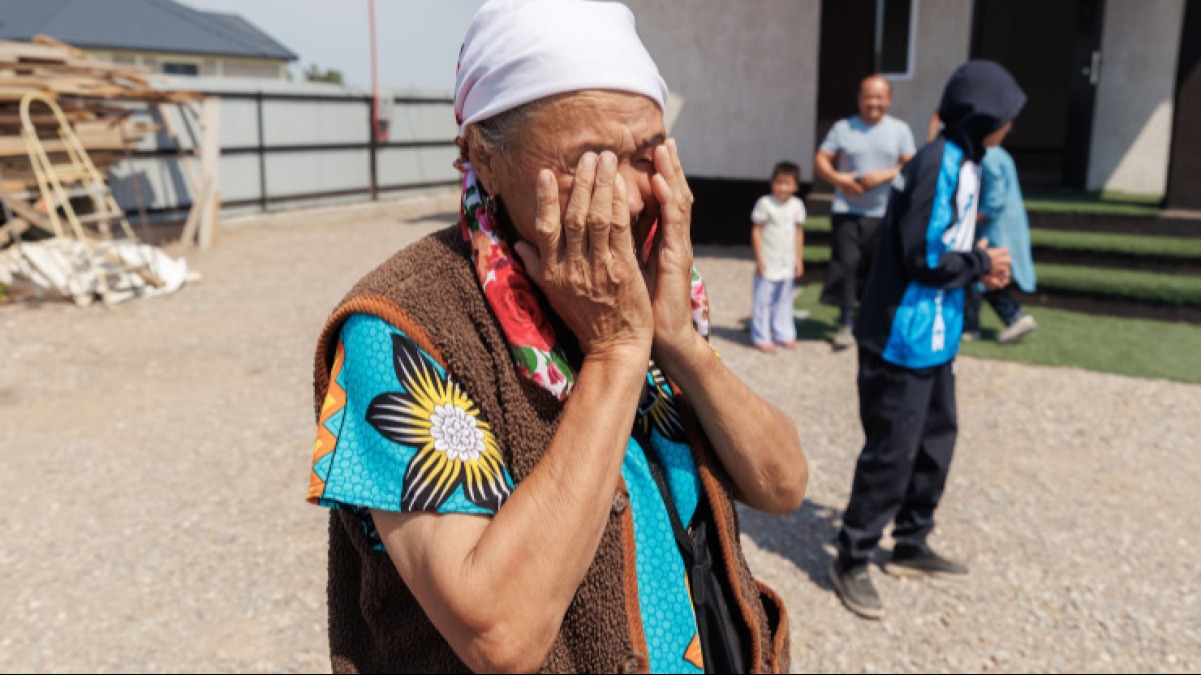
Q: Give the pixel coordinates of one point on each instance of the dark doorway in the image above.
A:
(1184, 173)
(1053, 50)
(846, 55)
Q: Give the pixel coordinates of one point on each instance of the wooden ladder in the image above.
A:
(77, 177)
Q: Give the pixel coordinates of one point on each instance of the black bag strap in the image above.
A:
(721, 641)
(683, 540)
(688, 549)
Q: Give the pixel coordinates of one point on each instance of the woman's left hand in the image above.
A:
(669, 267)
(755, 441)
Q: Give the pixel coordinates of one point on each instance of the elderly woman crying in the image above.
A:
(512, 487)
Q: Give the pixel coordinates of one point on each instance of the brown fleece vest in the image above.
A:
(429, 290)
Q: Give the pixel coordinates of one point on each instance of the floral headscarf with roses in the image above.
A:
(511, 294)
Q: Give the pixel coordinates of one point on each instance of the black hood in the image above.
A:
(980, 98)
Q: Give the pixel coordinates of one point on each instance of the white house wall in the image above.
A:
(943, 42)
(1132, 123)
(744, 78)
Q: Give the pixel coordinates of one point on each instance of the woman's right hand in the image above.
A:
(585, 264)
(531, 557)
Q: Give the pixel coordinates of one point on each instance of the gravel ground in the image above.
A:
(157, 457)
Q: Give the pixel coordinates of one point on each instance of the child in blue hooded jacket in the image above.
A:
(908, 331)
(1003, 222)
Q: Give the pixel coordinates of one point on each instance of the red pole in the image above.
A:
(375, 125)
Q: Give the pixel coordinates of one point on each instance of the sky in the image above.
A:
(418, 39)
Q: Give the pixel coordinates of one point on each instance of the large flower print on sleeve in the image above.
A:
(454, 446)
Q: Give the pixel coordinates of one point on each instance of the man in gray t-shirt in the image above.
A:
(859, 157)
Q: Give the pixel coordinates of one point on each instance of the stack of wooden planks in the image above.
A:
(98, 99)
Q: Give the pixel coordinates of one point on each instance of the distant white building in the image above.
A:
(1114, 85)
(162, 35)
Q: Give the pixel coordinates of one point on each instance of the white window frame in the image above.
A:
(912, 51)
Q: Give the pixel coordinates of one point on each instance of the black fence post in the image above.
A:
(373, 147)
(262, 153)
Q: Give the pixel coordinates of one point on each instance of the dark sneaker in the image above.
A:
(855, 587)
(922, 564)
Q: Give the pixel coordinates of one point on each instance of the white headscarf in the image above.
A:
(518, 51)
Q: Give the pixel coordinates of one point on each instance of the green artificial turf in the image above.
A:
(1173, 247)
(1172, 289)
(815, 253)
(1105, 203)
(1176, 247)
(1063, 201)
(1136, 347)
(817, 224)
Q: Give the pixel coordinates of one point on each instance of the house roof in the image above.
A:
(138, 25)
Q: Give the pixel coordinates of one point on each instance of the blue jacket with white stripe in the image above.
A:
(912, 309)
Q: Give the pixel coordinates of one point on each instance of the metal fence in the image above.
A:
(284, 150)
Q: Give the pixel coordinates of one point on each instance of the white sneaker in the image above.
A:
(1016, 330)
(844, 338)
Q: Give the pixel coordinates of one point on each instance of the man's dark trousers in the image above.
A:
(853, 238)
(909, 420)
